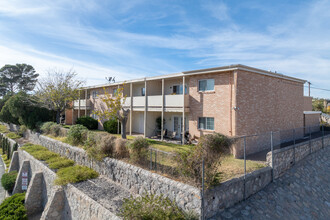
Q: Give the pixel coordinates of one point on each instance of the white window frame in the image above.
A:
(206, 90)
(199, 128)
(94, 94)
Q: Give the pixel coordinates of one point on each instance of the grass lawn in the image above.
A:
(231, 167)
(169, 147)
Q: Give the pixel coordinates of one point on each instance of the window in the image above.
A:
(206, 85)
(94, 94)
(206, 123)
(143, 91)
(177, 89)
(114, 91)
(94, 116)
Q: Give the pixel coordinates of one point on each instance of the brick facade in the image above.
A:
(245, 101)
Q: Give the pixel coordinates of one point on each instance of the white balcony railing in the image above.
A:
(83, 103)
(156, 101)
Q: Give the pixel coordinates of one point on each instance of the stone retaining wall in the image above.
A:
(77, 205)
(285, 158)
(235, 190)
(189, 198)
(131, 177)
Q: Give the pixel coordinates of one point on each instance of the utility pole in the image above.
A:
(309, 88)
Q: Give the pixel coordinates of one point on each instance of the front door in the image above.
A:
(177, 126)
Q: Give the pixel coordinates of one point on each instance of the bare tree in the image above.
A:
(59, 89)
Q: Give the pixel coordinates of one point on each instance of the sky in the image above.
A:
(139, 38)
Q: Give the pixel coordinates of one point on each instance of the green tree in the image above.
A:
(318, 105)
(58, 89)
(114, 109)
(19, 77)
(25, 109)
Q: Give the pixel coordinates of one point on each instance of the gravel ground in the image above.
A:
(104, 191)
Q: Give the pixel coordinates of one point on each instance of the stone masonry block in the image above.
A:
(14, 164)
(55, 205)
(34, 198)
(25, 168)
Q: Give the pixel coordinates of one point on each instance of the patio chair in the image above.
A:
(173, 135)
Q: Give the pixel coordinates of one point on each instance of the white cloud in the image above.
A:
(297, 46)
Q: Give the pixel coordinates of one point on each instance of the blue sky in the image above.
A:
(130, 39)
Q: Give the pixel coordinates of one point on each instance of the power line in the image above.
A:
(328, 90)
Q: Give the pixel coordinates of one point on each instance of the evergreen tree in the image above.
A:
(19, 77)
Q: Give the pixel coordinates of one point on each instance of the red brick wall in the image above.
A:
(312, 120)
(308, 106)
(267, 104)
(215, 104)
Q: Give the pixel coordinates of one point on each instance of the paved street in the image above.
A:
(302, 193)
(2, 171)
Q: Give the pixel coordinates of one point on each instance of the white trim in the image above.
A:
(206, 90)
(312, 112)
(205, 71)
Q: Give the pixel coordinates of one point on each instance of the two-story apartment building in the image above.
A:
(233, 100)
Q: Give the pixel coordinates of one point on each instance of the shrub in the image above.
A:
(55, 130)
(45, 127)
(31, 148)
(91, 139)
(74, 174)
(8, 181)
(59, 162)
(150, 206)
(22, 130)
(121, 150)
(77, 134)
(138, 149)
(111, 126)
(209, 148)
(89, 122)
(24, 109)
(3, 129)
(13, 135)
(12, 208)
(107, 145)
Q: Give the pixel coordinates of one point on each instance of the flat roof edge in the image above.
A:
(205, 71)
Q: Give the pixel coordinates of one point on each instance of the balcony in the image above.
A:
(172, 103)
(83, 104)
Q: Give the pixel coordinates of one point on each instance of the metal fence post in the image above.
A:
(203, 173)
(272, 149)
(244, 166)
(294, 146)
(310, 140)
(322, 136)
(150, 159)
(155, 160)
